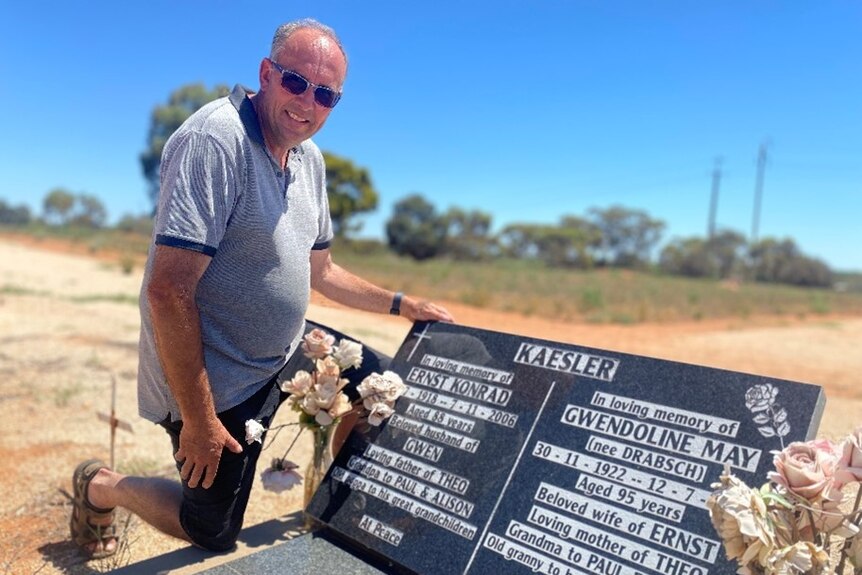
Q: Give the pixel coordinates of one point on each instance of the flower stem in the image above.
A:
(814, 533)
(277, 430)
(292, 443)
(849, 541)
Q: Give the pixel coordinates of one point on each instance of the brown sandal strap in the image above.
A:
(84, 473)
(81, 525)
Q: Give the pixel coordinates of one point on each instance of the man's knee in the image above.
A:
(212, 531)
(218, 544)
(212, 518)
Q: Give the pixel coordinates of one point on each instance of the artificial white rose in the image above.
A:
(738, 514)
(388, 386)
(395, 387)
(253, 431)
(378, 412)
(348, 354)
(371, 385)
(801, 557)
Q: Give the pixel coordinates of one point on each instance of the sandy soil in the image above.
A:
(69, 326)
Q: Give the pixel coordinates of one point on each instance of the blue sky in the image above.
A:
(527, 110)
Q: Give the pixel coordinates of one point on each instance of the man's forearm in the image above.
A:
(176, 324)
(346, 288)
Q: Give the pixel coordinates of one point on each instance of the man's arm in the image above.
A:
(341, 286)
(176, 324)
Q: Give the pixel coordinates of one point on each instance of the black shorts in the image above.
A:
(212, 518)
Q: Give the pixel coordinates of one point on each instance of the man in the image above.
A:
(242, 232)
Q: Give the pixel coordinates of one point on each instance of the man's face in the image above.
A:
(288, 119)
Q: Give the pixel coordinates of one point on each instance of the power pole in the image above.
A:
(758, 190)
(713, 202)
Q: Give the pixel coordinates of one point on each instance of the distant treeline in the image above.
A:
(613, 237)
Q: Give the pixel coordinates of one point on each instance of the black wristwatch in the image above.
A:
(396, 304)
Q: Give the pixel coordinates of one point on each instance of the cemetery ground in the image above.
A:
(69, 326)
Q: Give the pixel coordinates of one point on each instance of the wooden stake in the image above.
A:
(112, 419)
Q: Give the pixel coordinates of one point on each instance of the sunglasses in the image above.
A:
(296, 84)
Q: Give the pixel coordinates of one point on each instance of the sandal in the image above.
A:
(84, 530)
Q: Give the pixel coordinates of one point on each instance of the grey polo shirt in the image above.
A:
(223, 195)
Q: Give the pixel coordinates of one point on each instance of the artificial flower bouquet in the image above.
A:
(804, 520)
(321, 403)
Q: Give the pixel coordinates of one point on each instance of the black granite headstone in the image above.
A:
(513, 455)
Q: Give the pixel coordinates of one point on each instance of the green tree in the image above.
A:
(720, 257)
(350, 193)
(782, 261)
(686, 257)
(164, 121)
(564, 247)
(89, 212)
(468, 234)
(519, 241)
(586, 238)
(14, 215)
(415, 229)
(140, 224)
(628, 236)
(57, 206)
(727, 251)
(569, 244)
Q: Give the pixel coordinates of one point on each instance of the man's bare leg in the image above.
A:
(154, 499)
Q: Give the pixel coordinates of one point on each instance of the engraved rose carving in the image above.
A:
(770, 417)
(760, 397)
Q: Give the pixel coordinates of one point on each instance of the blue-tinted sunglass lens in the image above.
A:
(326, 97)
(294, 83)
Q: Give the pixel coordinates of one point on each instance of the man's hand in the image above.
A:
(200, 451)
(422, 310)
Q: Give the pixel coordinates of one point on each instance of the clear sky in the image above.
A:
(524, 109)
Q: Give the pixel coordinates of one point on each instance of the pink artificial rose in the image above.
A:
(807, 469)
(850, 461)
(317, 344)
(299, 385)
(328, 372)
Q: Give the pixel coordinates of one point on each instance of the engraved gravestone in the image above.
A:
(516, 455)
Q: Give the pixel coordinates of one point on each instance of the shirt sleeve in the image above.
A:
(324, 218)
(197, 195)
